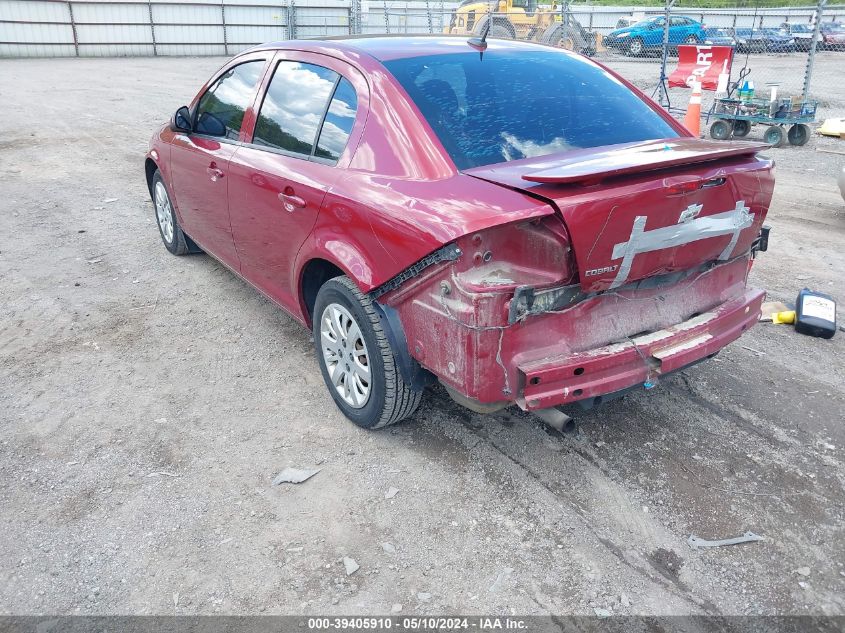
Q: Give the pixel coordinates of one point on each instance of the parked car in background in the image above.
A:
(832, 36)
(718, 37)
(801, 33)
(647, 35)
(523, 226)
(778, 41)
(763, 41)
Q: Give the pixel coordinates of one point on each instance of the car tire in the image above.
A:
(356, 359)
(692, 40)
(798, 135)
(171, 233)
(635, 47)
(720, 130)
(741, 128)
(774, 136)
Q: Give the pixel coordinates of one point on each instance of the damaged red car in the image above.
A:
(512, 220)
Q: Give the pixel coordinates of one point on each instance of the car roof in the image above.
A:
(389, 47)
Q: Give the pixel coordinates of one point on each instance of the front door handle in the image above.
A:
(291, 202)
(214, 172)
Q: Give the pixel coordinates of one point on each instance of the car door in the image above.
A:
(678, 30)
(200, 160)
(653, 34)
(296, 151)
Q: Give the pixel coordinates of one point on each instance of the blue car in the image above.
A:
(718, 37)
(647, 35)
(763, 41)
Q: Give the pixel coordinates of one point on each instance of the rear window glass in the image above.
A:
(519, 104)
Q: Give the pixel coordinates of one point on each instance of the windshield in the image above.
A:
(648, 22)
(800, 28)
(522, 103)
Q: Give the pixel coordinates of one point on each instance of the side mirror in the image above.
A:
(181, 121)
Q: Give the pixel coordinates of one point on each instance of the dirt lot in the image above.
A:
(147, 402)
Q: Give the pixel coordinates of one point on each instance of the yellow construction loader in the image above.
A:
(522, 20)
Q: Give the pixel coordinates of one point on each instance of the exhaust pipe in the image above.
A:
(558, 420)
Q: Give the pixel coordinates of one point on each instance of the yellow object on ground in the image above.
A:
(832, 127)
(783, 317)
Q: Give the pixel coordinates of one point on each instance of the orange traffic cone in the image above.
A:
(692, 120)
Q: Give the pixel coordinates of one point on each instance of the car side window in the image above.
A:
(221, 109)
(338, 123)
(294, 107)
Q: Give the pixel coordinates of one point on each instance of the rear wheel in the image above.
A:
(774, 136)
(741, 128)
(720, 130)
(356, 360)
(798, 134)
(168, 224)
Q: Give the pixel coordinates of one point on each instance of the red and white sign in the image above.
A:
(703, 64)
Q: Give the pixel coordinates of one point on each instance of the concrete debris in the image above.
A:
(803, 571)
(396, 608)
(295, 475)
(388, 548)
(110, 200)
(624, 600)
(501, 579)
(391, 492)
(696, 542)
(423, 596)
(350, 565)
(603, 613)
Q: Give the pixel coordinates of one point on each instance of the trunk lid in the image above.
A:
(638, 210)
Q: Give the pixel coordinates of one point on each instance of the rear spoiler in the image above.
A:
(629, 158)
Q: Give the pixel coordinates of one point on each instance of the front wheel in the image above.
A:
(692, 39)
(635, 47)
(356, 360)
(720, 130)
(168, 224)
(774, 136)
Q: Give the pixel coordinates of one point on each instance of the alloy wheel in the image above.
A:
(164, 212)
(345, 355)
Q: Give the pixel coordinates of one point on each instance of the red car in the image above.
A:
(512, 220)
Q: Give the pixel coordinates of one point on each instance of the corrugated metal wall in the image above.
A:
(50, 28)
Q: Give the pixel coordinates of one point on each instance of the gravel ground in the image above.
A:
(147, 402)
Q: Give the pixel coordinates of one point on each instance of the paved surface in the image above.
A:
(147, 402)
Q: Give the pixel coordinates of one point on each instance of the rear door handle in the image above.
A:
(291, 202)
(214, 173)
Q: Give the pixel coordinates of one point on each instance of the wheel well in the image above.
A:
(314, 275)
(150, 168)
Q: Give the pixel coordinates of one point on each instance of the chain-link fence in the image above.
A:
(773, 48)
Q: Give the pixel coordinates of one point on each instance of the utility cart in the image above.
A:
(734, 118)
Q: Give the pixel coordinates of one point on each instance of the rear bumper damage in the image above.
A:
(575, 348)
(643, 359)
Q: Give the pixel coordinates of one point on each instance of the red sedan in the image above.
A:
(512, 220)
